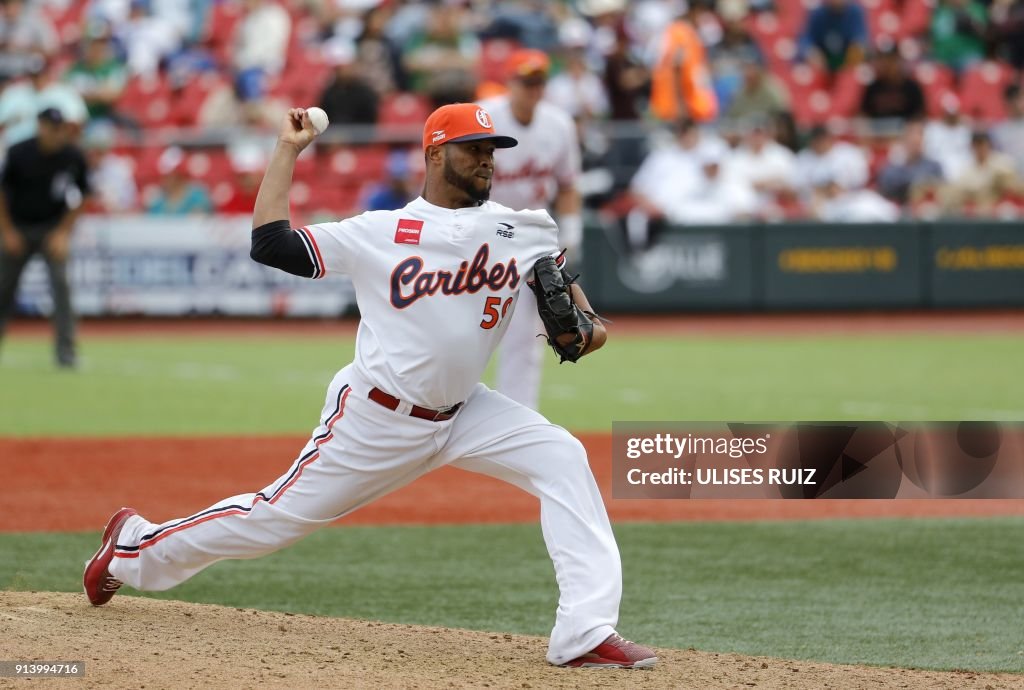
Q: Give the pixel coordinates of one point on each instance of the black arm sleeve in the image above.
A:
(278, 246)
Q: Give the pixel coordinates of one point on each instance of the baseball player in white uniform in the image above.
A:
(436, 283)
(543, 171)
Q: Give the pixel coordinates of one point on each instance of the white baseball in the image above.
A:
(318, 118)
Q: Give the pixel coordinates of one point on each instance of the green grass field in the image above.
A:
(276, 385)
(939, 594)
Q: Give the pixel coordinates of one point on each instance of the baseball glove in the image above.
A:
(569, 328)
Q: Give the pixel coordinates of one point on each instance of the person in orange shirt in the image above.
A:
(681, 82)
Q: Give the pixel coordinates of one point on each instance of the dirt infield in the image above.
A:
(164, 478)
(993, 321)
(143, 643)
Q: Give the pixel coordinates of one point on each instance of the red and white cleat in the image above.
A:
(616, 652)
(99, 585)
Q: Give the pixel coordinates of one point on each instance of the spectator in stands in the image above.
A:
(909, 175)
(260, 47)
(827, 161)
(577, 89)
(672, 169)
(769, 167)
(148, 37)
(178, 195)
(111, 176)
(894, 92)
(1008, 135)
(834, 203)
(835, 35)
(396, 191)
(762, 93)
(721, 194)
(958, 33)
(528, 22)
(25, 32)
(100, 77)
(22, 101)
(1007, 31)
(948, 139)
(379, 56)
(441, 59)
(625, 78)
(989, 177)
(729, 59)
(348, 98)
(681, 81)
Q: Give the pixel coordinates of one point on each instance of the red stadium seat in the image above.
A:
(937, 82)
(849, 89)
(494, 53)
(809, 94)
(211, 166)
(145, 159)
(341, 200)
(981, 90)
(403, 110)
(188, 101)
(221, 27)
(354, 165)
(792, 15)
(68, 23)
(916, 17)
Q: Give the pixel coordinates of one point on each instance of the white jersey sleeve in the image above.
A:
(335, 247)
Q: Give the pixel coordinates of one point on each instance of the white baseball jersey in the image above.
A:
(528, 175)
(434, 287)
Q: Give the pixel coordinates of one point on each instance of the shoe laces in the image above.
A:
(112, 584)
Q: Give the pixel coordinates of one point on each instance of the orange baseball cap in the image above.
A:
(526, 62)
(462, 122)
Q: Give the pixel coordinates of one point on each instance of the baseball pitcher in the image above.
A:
(436, 282)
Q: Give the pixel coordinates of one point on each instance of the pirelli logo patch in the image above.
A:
(408, 231)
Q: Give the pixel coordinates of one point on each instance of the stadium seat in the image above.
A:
(220, 29)
(937, 82)
(355, 165)
(981, 90)
(916, 17)
(848, 90)
(792, 15)
(403, 110)
(187, 102)
(809, 94)
(67, 21)
(146, 159)
(494, 53)
(211, 166)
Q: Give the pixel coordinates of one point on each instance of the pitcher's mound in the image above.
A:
(135, 642)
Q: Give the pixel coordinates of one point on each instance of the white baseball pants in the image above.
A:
(361, 451)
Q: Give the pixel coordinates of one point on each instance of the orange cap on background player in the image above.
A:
(528, 64)
(462, 122)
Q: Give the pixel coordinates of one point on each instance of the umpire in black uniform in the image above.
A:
(44, 183)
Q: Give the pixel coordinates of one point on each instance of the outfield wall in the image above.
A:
(164, 266)
(808, 266)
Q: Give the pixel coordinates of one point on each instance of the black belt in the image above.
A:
(391, 402)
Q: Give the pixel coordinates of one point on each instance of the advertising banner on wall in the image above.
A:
(829, 266)
(977, 264)
(179, 266)
(686, 268)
